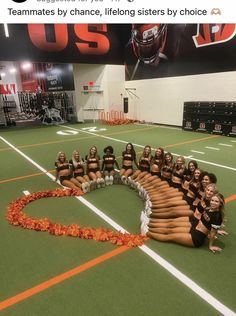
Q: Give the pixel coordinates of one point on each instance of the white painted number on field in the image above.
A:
(67, 132)
(93, 129)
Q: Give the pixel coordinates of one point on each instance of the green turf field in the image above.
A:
(157, 278)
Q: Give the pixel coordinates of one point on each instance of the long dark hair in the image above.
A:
(133, 153)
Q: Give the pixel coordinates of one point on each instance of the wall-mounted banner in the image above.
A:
(147, 50)
(65, 43)
(164, 50)
(58, 77)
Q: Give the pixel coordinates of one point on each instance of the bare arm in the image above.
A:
(212, 236)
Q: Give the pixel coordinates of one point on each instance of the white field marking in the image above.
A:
(226, 145)
(67, 133)
(188, 282)
(212, 148)
(138, 145)
(198, 152)
(164, 264)
(26, 192)
(188, 157)
(158, 126)
(233, 141)
(27, 158)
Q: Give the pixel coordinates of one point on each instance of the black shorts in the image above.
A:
(62, 178)
(176, 185)
(198, 237)
(166, 179)
(190, 201)
(79, 174)
(156, 173)
(109, 169)
(147, 169)
(94, 170)
(127, 167)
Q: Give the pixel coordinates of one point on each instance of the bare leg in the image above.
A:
(171, 224)
(178, 238)
(69, 184)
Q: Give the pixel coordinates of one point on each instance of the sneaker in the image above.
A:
(107, 180)
(84, 188)
(123, 179)
(144, 229)
(142, 217)
(129, 180)
(148, 211)
(102, 183)
(111, 180)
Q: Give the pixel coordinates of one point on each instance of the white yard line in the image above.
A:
(212, 148)
(161, 261)
(158, 126)
(198, 152)
(226, 145)
(142, 146)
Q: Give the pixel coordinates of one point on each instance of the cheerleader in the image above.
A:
(128, 158)
(144, 165)
(108, 163)
(193, 235)
(78, 164)
(93, 168)
(64, 172)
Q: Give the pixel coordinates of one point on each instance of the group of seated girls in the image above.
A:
(183, 204)
(88, 173)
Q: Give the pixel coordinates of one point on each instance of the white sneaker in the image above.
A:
(111, 180)
(84, 188)
(142, 217)
(107, 180)
(87, 186)
(123, 179)
(148, 211)
(144, 229)
(102, 182)
(148, 203)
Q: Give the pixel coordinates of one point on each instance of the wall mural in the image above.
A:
(147, 50)
(164, 50)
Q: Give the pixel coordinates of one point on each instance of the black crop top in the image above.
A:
(127, 156)
(167, 168)
(211, 219)
(144, 161)
(77, 165)
(63, 166)
(91, 160)
(109, 159)
(179, 173)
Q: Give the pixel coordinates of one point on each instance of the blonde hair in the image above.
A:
(213, 186)
(59, 154)
(75, 162)
(221, 200)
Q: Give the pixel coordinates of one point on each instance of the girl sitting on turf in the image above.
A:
(129, 157)
(78, 164)
(108, 163)
(64, 172)
(193, 234)
(93, 168)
